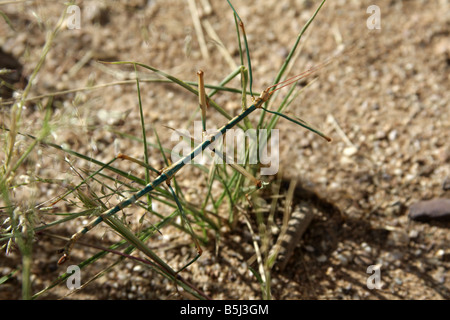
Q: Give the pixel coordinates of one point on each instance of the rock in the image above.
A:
(430, 210)
(446, 184)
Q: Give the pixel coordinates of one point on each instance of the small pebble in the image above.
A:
(398, 238)
(392, 135)
(413, 234)
(342, 258)
(349, 151)
(366, 247)
(440, 253)
(439, 275)
(446, 184)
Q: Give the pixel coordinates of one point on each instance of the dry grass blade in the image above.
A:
(198, 29)
(220, 46)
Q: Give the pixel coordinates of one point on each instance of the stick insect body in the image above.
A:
(167, 173)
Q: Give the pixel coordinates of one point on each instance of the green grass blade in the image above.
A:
(249, 61)
(300, 122)
(8, 22)
(144, 135)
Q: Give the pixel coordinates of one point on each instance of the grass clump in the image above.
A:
(236, 182)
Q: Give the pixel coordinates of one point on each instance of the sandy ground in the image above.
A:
(385, 103)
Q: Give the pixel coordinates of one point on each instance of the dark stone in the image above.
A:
(430, 210)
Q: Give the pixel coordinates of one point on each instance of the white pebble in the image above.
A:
(349, 151)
